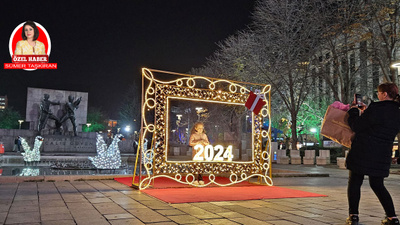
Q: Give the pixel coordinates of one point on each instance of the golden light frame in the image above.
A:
(156, 94)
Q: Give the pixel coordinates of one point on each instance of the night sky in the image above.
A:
(101, 48)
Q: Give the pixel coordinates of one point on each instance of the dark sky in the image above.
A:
(101, 48)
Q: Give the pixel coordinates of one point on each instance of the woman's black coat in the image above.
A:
(376, 128)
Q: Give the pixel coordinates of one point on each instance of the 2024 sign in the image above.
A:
(209, 150)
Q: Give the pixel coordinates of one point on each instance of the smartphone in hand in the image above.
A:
(358, 100)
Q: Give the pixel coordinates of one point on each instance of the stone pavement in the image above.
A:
(109, 202)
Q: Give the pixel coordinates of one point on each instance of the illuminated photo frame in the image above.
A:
(160, 92)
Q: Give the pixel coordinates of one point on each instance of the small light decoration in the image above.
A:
(107, 158)
(191, 87)
(29, 172)
(147, 155)
(31, 155)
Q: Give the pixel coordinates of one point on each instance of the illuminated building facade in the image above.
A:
(363, 74)
(3, 102)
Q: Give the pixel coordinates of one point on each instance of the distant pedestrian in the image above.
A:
(375, 128)
(15, 144)
(19, 143)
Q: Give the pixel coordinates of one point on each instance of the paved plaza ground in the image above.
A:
(109, 202)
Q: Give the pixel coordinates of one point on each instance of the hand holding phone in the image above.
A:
(358, 100)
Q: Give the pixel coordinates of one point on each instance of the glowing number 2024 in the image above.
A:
(209, 153)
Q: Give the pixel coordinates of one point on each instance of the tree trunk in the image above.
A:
(294, 132)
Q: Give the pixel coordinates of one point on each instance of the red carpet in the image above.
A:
(243, 191)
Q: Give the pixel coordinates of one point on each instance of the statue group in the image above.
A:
(69, 113)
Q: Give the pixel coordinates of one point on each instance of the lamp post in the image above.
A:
(128, 130)
(198, 111)
(315, 130)
(396, 64)
(88, 126)
(20, 122)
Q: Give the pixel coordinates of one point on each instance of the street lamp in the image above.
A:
(88, 126)
(198, 111)
(20, 122)
(314, 130)
(396, 64)
(128, 128)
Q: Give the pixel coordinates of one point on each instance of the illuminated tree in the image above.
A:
(9, 118)
(97, 120)
(311, 114)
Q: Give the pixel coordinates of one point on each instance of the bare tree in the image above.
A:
(359, 40)
(383, 30)
(328, 47)
(275, 50)
(286, 38)
(342, 39)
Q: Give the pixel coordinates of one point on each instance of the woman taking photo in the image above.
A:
(29, 44)
(375, 128)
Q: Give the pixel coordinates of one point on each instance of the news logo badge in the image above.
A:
(25, 56)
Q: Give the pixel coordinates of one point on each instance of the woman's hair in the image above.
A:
(35, 30)
(391, 89)
(194, 128)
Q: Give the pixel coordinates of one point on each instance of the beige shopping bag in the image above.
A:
(336, 128)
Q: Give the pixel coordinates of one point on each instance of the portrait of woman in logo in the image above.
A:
(29, 45)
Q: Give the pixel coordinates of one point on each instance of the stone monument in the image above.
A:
(35, 98)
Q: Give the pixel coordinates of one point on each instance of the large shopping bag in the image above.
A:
(336, 128)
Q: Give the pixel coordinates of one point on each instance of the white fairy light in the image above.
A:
(107, 158)
(31, 155)
(30, 172)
